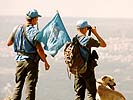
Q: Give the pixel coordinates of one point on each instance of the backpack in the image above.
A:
(76, 63)
(34, 56)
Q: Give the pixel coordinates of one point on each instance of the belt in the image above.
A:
(26, 54)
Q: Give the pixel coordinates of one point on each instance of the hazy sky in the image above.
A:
(72, 8)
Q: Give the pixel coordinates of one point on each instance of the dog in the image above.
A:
(106, 90)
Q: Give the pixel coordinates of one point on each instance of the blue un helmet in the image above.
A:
(82, 24)
(32, 14)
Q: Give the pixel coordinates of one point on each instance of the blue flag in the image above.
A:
(53, 35)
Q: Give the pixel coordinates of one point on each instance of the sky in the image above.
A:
(70, 8)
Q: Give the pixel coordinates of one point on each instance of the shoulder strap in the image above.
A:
(24, 34)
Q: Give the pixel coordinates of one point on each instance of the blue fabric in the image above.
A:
(84, 40)
(84, 51)
(53, 35)
(21, 44)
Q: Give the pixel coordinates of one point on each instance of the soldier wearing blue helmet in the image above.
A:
(86, 81)
(28, 52)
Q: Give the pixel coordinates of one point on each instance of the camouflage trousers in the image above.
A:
(26, 73)
(81, 84)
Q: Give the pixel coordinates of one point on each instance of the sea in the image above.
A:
(115, 60)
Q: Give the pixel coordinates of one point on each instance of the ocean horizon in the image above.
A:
(115, 60)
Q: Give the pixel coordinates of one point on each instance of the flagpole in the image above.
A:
(57, 11)
(37, 26)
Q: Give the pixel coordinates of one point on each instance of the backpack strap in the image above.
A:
(83, 49)
(24, 34)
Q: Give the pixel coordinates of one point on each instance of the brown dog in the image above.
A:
(105, 89)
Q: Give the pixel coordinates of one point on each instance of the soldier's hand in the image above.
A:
(47, 66)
